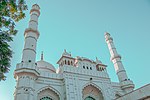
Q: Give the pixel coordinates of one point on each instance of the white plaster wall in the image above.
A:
(72, 81)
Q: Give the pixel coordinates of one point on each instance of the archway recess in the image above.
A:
(48, 94)
(90, 92)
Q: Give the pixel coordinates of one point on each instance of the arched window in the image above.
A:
(89, 98)
(65, 62)
(87, 67)
(90, 68)
(84, 67)
(46, 98)
(68, 62)
(71, 63)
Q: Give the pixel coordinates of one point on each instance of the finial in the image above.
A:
(64, 50)
(65, 53)
(96, 58)
(98, 61)
(106, 33)
(42, 55)
(70, 53)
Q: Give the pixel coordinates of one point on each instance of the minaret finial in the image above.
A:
(106, 33)
(96, 58)
(64, 50)
(42, 55)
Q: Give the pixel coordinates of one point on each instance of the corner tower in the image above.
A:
(126, 84)
(26, 73)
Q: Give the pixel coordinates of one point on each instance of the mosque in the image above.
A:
(77, 78)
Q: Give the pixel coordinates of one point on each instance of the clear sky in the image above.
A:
(79, 26)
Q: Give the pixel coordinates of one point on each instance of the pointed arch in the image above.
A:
(71, 63)
(91, 90)
(49, 92)
(68, 62)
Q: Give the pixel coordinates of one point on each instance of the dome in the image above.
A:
(45, 66)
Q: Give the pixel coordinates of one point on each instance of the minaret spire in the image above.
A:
(126, 83)
(31, 35)
(96, 59)
(65, 50)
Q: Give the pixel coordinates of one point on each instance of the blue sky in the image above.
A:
(79, 27)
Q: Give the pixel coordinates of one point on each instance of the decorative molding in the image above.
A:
(30, 49)
(26, 70)
(94, 85)
(65, 57)
(32, 10)
(115, 57)
(51, 88)
(33, 21)
(31, 30)
(31, 37)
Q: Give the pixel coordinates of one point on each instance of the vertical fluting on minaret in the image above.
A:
(31, 35)
(126, 83)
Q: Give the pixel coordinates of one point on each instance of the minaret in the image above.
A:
(126, 84)
(31, 35)
(26, 73)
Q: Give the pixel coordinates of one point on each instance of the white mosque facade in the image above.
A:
(77, 78)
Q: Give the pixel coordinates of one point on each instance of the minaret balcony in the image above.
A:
(26, 68)
(26, 65)
(127, 84)
(115, 57)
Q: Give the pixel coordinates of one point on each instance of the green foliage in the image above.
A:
(11, 11)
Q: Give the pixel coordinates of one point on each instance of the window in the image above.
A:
(46, 98)
(84, 67)
(71, 63)
(90, 68)
(68, 62)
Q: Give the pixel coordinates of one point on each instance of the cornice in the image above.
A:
(32, 10)
(31, 30)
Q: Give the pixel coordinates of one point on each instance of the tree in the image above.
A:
(11, 11)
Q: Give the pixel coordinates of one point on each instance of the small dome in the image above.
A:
(45, 66)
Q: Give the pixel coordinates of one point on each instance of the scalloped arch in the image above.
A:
(94, 85)
(48, 87)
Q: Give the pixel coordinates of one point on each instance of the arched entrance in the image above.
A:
(90, 92)
(48, 93)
